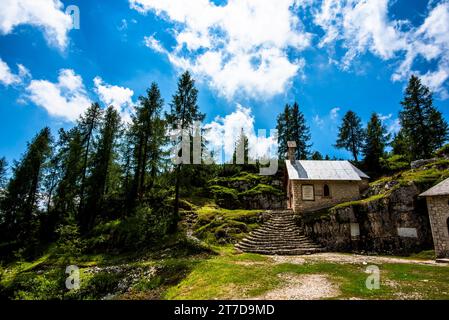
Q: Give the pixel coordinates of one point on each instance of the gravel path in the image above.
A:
(305, 287)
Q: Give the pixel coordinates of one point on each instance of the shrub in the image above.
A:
(443, 151)
(395, 163)
(225, 197)
(69, 242)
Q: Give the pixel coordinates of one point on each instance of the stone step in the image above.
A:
(278, 245)
(280, 235)
(283, 252)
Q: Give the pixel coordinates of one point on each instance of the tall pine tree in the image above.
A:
(376, 139)
(20, 206)
(423, 126)
(102, 165)
(148, 136)
(292, 126)
(300, 133)
(87, 124)
(184, 112)
(351, 134)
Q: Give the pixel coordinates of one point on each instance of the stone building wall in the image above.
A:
(340, 191)
(438, 208)
(397, 224)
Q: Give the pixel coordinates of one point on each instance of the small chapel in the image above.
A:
(318, 184)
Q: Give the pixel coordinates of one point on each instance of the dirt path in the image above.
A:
(350, 258)
(305, 287)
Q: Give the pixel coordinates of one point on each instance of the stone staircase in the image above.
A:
(279, 236)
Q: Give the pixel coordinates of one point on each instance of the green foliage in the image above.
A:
(69, 242)
(262, 189)
(351, 135)
(423, 127)
(225, 197)
(20, 211)
(376, 139)
(216, 225)
(443, 151)
(291, 126)
(395, 163)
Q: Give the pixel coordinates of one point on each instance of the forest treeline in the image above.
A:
(104, 176)
(423, 131)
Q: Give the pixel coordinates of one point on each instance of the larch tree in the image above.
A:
(103, 159)
(148, 136)
(87, 124)
(20, 206)
(351, 135)
(184, 112)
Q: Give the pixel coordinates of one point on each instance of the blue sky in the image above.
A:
(249, 59)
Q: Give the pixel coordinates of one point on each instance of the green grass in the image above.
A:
(231, 276)
(359, 202)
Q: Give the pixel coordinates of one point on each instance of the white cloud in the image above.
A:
(45, 14)
(66, 99)
(119, 97)
(334, 113)
(223, 132)
(318, 121)
(239, 47)
(154, 44)
(7, 77)
(383, 117)
(365, 26)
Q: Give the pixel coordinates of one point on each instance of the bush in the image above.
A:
(443, 151)
(147, 225)
(69, 242)
(395, 163)
(225, 197)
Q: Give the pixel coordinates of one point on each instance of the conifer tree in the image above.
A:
(291, 126)
(317, 156)
(423, 126)
(102, 164)
(351, 134)
(20, 206)
(184, 112)
(300, 133)
(67, 194)
(87, 124)
(148, 136)
(376, 139)
(284, 131)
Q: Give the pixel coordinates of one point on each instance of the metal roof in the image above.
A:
(323, 170)
(441, 189)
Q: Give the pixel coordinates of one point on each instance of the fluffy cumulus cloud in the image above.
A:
(365, 26)
(45, 14)
(119, 97)
(223, 132)
(7, 77)
(66, 99)
(239, 47)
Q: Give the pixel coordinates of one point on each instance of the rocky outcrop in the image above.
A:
(248, 191)
(279, 236)
(396, 223)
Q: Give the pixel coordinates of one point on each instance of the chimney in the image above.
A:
(291, 150)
